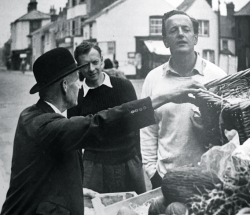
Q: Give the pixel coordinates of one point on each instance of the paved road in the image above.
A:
(14, 97)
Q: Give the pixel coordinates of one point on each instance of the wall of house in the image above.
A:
(36, 45)
(86, 31)
(45, 22)
(125, 21)
(229, 63)
(49, 40)
(78, 10)
(231, 44)
(201, 10)
(76, 42)
(19, 33)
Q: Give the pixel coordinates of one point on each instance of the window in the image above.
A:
(73, 3)
(203, 27)
(34, 25)
(90, 31)
(155, 25)
(73, 27)
(209, 55)
(224, 44)
(82, 1)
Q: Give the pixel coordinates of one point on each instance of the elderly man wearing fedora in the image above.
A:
(46, 173)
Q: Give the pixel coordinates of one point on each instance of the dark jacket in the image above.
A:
(46, 174)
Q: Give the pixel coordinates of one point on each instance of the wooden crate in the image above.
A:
(113, 209)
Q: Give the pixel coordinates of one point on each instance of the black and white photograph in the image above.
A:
(125, 107)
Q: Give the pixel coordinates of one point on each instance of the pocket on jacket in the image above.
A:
(50, 208)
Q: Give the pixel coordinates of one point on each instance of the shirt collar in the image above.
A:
(199, 67)
(57, 110)
(106, 82)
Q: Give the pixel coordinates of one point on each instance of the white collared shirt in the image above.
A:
(56, 109)
(199, 66)
(172, 141)
(106, 82)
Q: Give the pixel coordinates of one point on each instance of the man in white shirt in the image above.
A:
(173, 140)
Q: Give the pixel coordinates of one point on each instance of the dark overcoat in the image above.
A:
(46, 173)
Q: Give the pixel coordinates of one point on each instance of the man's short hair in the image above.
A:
(178, 12)
(84, 48)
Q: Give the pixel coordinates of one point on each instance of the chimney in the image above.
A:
(32, 5)
(53, 15)
(209, 2)
(52, 10)
(230, 10)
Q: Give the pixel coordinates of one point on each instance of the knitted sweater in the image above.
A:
(101, 98)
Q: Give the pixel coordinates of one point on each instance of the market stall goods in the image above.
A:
(158, 206)
(126, 211)
(180, 183)
(227, 106)
(176, 208)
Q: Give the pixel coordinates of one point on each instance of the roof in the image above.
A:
(44, 28)
(185, 5)
(244, 11)
(104, 10)
(227, 27)
(98, 5)
(33, 15)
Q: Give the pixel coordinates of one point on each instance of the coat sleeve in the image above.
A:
(131, 96)
(59, 133)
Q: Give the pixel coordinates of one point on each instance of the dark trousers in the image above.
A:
(122, 177)
(156, 180)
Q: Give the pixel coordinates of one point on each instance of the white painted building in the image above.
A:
(43, 40)
(76, 15)
(208, 40)
(228, 58)
(117, 27)
(21, 30)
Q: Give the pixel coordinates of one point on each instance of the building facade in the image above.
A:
(208, 40)
(242, 25)
(121, 28)
(228, 60)
(21, 29)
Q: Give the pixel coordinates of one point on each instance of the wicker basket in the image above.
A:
(219, 113)
(235, 85)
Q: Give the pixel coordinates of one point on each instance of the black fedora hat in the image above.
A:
(53, 66)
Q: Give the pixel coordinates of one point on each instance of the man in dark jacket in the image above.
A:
(46, 174)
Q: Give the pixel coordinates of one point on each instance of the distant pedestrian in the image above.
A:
(22, 66)
(116, 64)
(111, 71)
(8, 64)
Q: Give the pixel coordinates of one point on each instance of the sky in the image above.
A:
(10, 10)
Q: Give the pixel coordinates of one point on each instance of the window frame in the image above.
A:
(202, 28)
(224, 44)
(155, 30)
(208, 55)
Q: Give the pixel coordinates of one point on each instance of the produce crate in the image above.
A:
(113, 209)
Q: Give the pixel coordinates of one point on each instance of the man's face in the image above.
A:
(73, 86)
(92, 73)
(180, 36)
